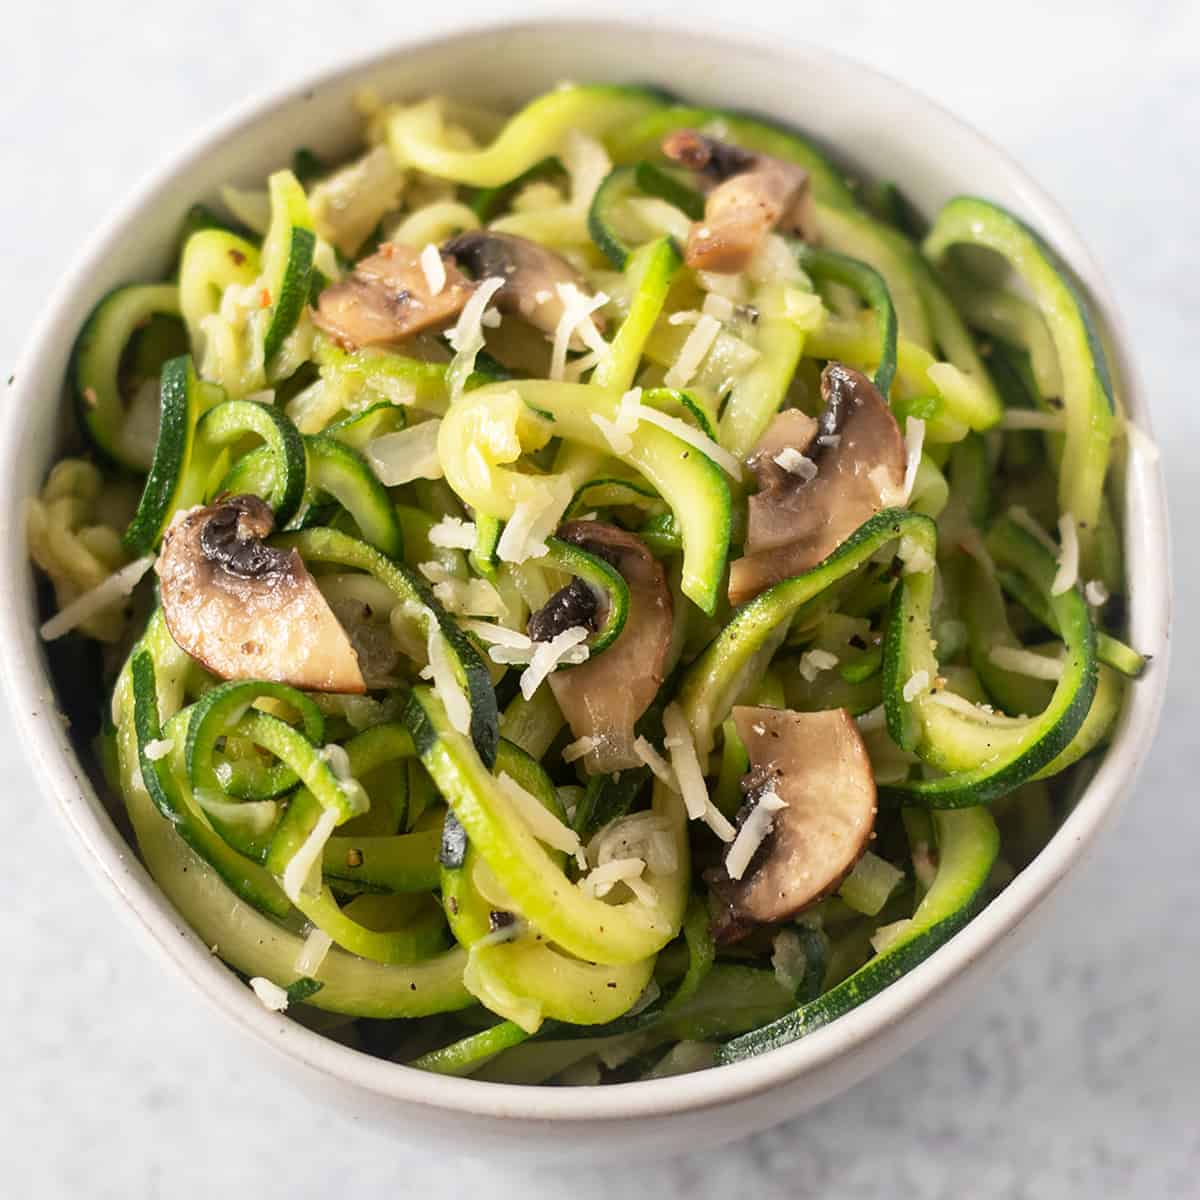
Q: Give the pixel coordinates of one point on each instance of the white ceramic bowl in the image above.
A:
(868, 119)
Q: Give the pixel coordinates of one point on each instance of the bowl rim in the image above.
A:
(103, 848)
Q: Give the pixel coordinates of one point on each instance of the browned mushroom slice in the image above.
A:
(532, 274)
(813, 770)
(387, 298)
(246, 610)
(603, 698)
(800, 517)
(754, 194)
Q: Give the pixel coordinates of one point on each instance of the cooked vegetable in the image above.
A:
(247, 610)
(811, 792)
(593, 627)
(819, 482)
(388, 297)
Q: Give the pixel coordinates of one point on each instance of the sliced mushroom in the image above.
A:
(387, 298)
(817, 765)
(754, 194)
(533, 274)
(798, 519)
(246, 610)
(604, 697)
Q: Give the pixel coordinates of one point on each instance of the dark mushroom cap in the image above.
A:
(246, 610)
(604, 697)
(386, 299)
(532, 274)
(754, 194)
(817, 765)
(793, 523)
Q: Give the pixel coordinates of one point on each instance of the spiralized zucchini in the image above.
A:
(442, 717)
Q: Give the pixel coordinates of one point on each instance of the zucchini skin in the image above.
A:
(968, 843)
(921, 725)
(1087, 391)
(95, 362)
(184, 398)
(332, 546)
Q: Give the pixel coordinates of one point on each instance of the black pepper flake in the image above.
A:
(498, 919)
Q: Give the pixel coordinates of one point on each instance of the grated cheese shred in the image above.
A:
(105, 594)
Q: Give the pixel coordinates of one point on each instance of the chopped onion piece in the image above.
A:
(1025, 662)
(406, 455)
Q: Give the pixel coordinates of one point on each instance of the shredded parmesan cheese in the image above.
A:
(795, 463)
(618, 441)
(1095, 593)
(453, 533)
(1068, 561)
(752, 834)
(690, 777)
(579, 749)
(813, 662)
(914, 439)
(270, 995)
(915, 557)
(458, 707)
(1025, 662)
(655, 761)
(312, 954)
(466, 338)
(304, 863)
(699, 342)
(686, 433)
(600, 881)
(105, 594)
(917, 683)
(433, 269)
(575, 322)
(159, 748)
(547, 656)
(542, 823)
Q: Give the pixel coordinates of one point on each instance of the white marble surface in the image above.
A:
(1076, 1075)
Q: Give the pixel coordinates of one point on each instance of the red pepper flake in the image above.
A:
(264, 298)
(89, 397)
(237, 256)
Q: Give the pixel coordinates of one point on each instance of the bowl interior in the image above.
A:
(870, 122)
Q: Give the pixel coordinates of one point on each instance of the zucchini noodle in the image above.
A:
(564, 571)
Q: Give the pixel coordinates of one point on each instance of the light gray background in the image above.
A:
(1077, 1074)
